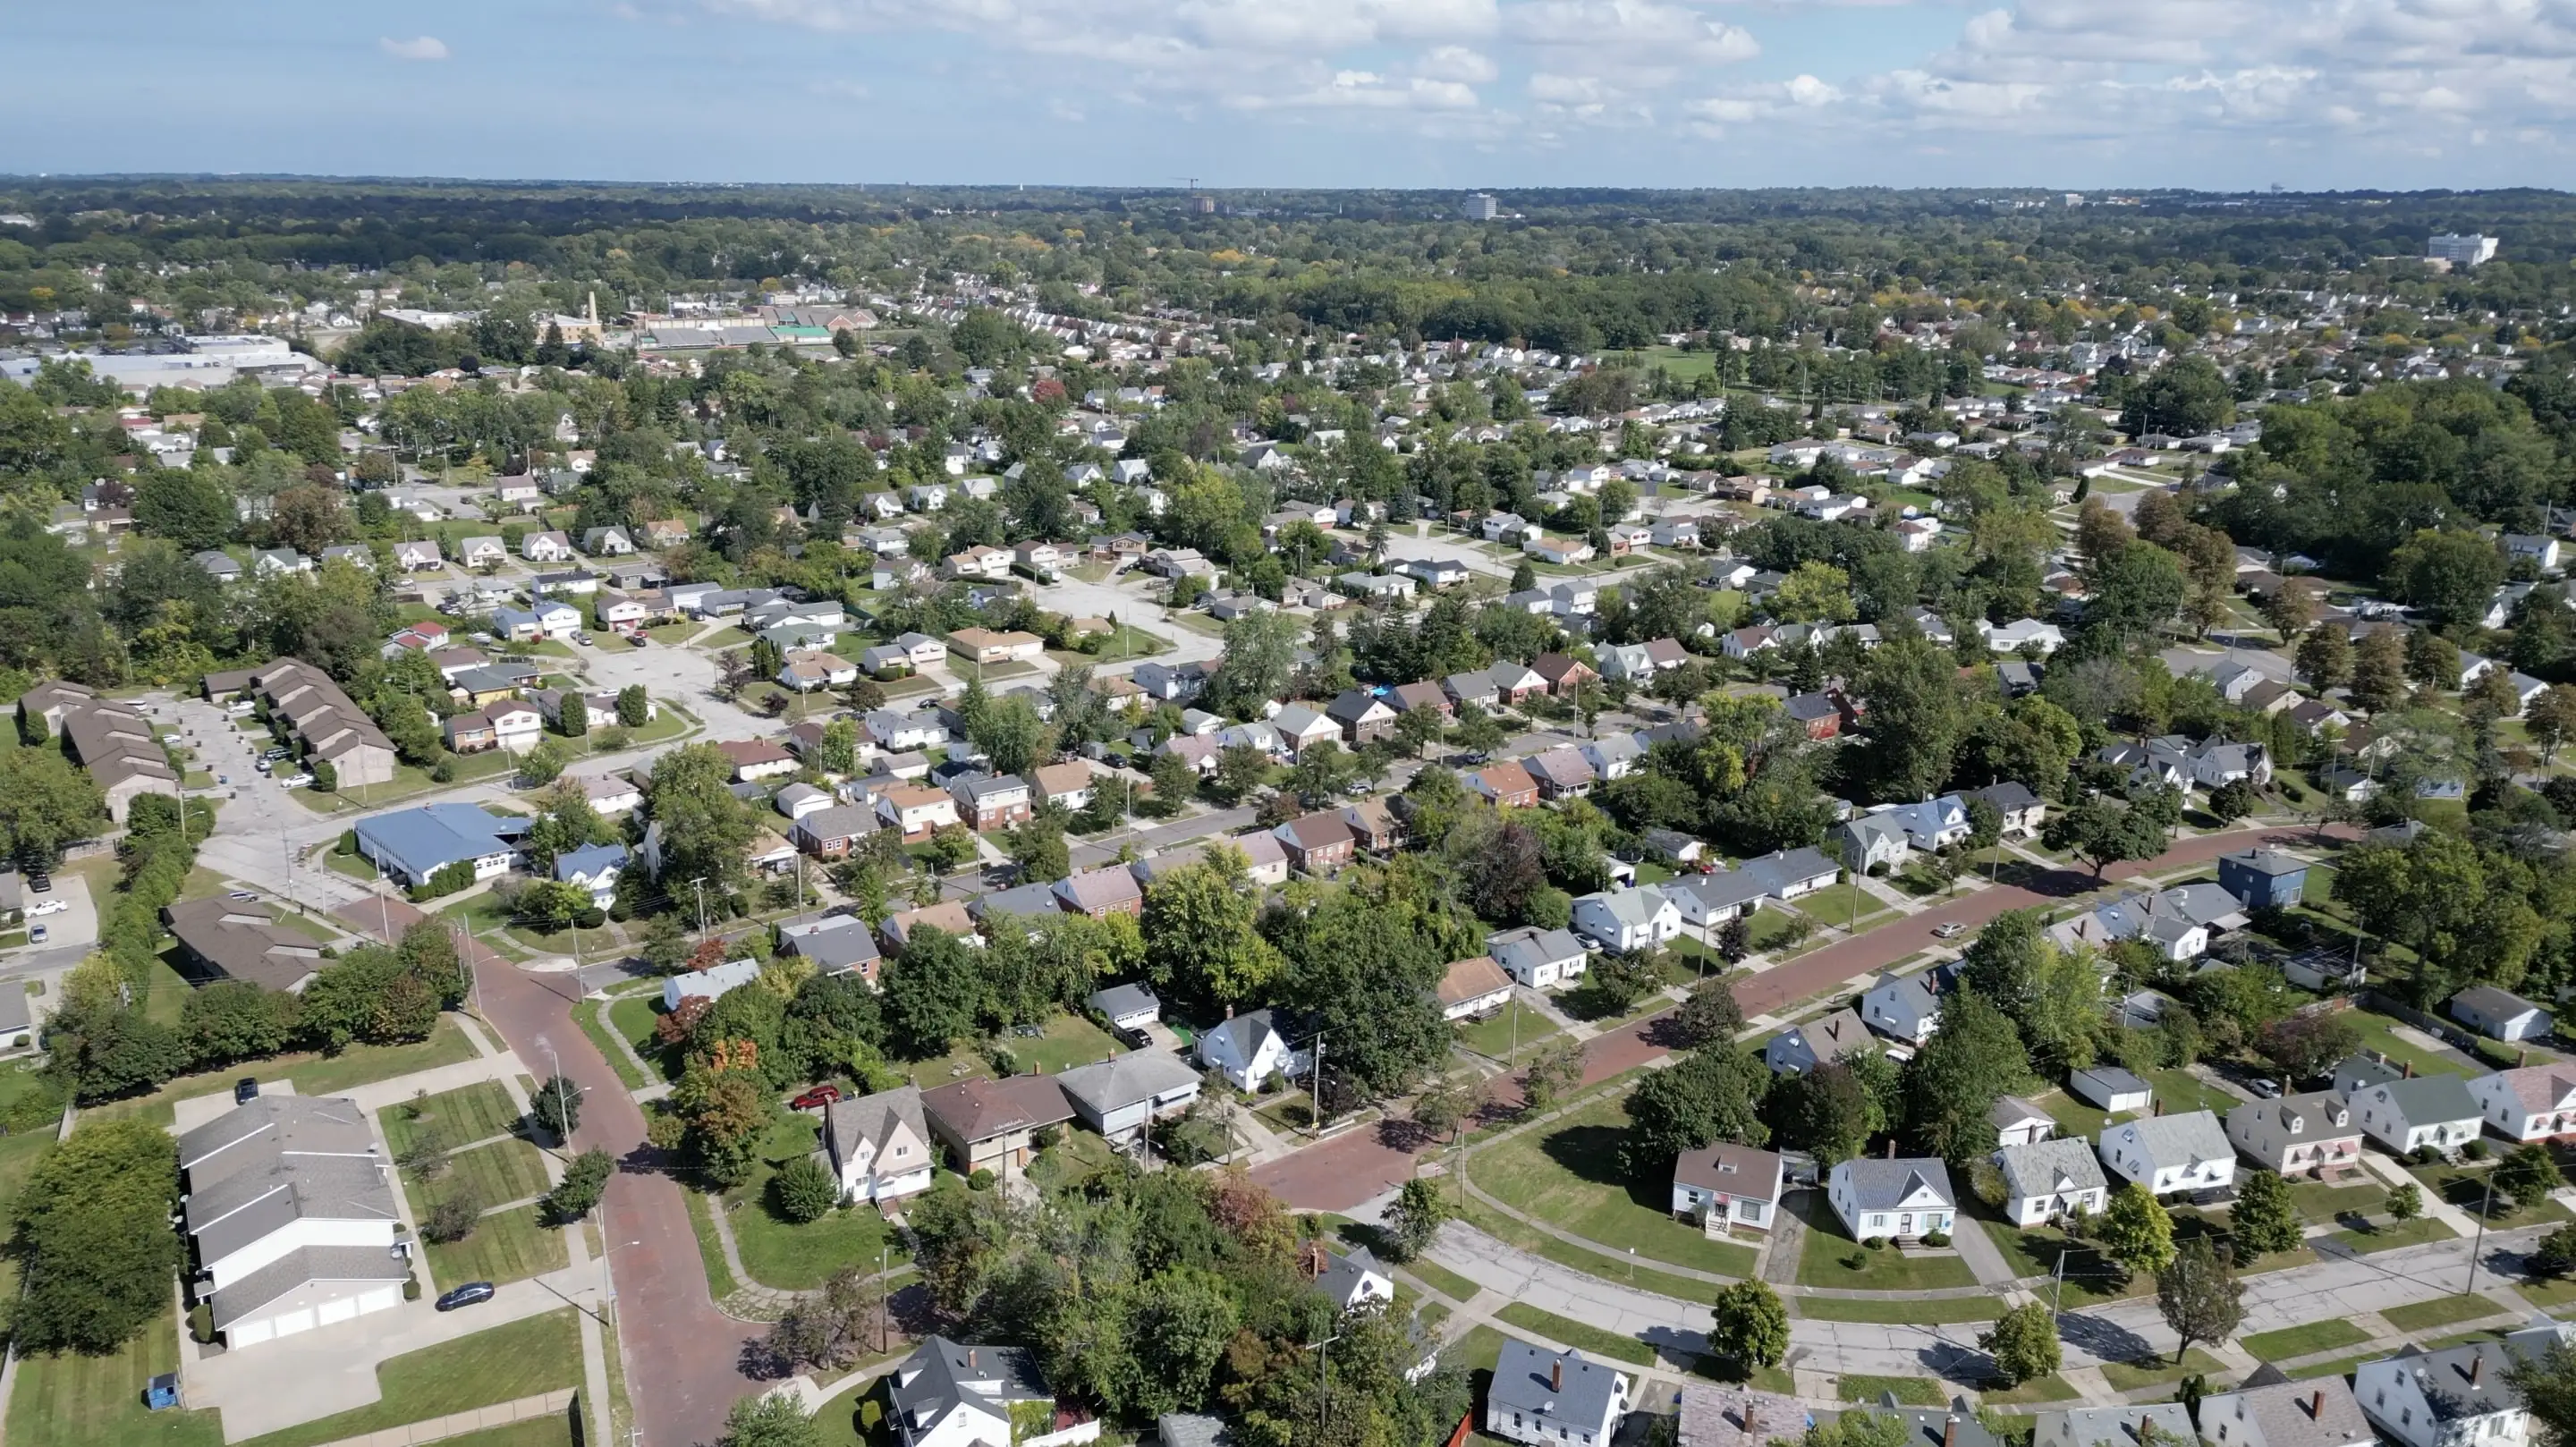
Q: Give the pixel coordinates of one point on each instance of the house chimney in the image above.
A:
(2477, 1366)
(2146, 1428)
(1891, 1148)
(1950, 1431)
(2316, 1406)
(1556, 1375)
(2410, 1070)
(970, 1359)
(2155, 1105)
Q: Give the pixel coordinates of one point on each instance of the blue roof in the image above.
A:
(419, 841)
(589, 860)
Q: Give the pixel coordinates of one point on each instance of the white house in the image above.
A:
(2534, 1103)
(1541, 1397)
(2417, 1111)
(1726, 1185)
(2499, 1014)
(1893, 1199)
(2296, 1134)
(2170, 1153)
(1249, 1050)
(1540, 959)
(2270, 1411)
(2447, 1398)
(2047, 1179)
(291, 1208)
(2109, 1088)
(951, 1394)
(878, 1146)
(1801, 1048)
(1627, 920)
(2018, 1122)
(546, 547)
(1473, 988)
(707, 984)
(1349, 1280)
(1903, 1007)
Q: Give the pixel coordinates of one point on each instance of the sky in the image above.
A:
(1472, 94)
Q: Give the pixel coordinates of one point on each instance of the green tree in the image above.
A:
(93, 1238)
(931, 992)
(1910, 735)
(1174, 780)
(2023, 1344)
(1953, 1080)
(1709, 1013)
(1416, 1216)
(545, 763)
(1749, 1325)
(2526, 1176)
(1038, 848)
(771, 1419)
(2263, 1219)
(1200, 936)
(1012, 736)
(2452, 573)
(584, 1181)
(2325, 656)
(2199, 1297)
(634, 706)
(2379, 672)
(2405, 1202)
(556, 1107)
(46, 805)
(1828, 1112)
(1554, 1068)
(2102, 832)
(1714, 1094)
(804, 1190)
(2135, 1231)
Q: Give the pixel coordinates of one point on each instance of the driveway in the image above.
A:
(682, 1355)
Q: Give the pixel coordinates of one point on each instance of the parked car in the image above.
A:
(471, 1293)
(295, 781)
(37, 934)
(815, 1099)
(241, 894)
(48, 906)
(262, 767)
(582, 638)
(246, 1090)
(1949, 930)
(40, 882)
(1133, 1038)
(2263, 1088)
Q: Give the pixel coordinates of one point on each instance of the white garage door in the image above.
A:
(291, 1322)
(248, 1333)
(385, 1299)
(341, 1310)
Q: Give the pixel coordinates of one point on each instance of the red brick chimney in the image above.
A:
(1950, 1431)
(2316, 1406)
(1556, 1375)
(2477, 1366)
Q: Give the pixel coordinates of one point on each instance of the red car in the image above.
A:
(815, 1099)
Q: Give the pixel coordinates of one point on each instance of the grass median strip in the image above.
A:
(1576, 1334)
(2306, 1339)
(1900, 1310)
(1908, 1391)
(1441, 1279)
(2441, 1311)
(1623, 1270)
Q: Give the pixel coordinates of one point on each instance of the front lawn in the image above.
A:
(2389, 1235)
(498, 1173)
(1496, 1038)
(82, 1401)
(792, 1257)
(1624, 1269)
(1065, 1041)
(634, 1016)
(2306, 1339)
(2157, 1370)
(2465, 1186)
(1568, 1174)
(2417, 1316)
(1578, 1335)
(1441, 1279)
(522, 1358)
(510, 1245)
(2039, 1391)
(2090, 1276)
(1831, 1258)
(1901, 1311)
(459, 1117)
(1872, 1391)
(2322, 1204)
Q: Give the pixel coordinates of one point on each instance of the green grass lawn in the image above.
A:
(725, 637)
(555, 1431)
(2379, 1032)
(675, 634)
(2090, 1275)
(2038, 1391)
(1624, 1269)
(2389, 1235)
(1069, 1040)
(80, 1401)
(503, 1171)
(2306, 1339)
(720, 1282)
(461, 1116)
(517, 1359)
(1578, 1335)
(1901, 1311)
(1823, 1261)
(508, 1245)
(2441, 1311)
(312, 1074)
(1477, 1348)
(633, 1016)
(1568, 1174)
(1909, 1391)
(2322, 1203)
(2465, 1186)
(2552, 1296)
(1495, 1038)
(591, 1016)
(1441, 1279)
(781, 1253)
(2158, 1370)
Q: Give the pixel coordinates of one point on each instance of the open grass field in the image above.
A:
(2389, 1235)
(1508, 1035)
(458, 1117)
(78, 1401)
(1066, 1041)
(510, 1245)
(517, 1359)
(1568, 1173)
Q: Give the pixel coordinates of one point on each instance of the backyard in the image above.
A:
(1568, 1174)
(84, 1401)
(1064, 1041)
(782, 1253)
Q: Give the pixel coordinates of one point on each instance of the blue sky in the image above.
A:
(2085, 94)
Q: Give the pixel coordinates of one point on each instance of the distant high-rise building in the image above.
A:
(1203, 205)
(2460, 250)
(1480, 207)
(2074, 199)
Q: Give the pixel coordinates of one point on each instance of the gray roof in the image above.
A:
(1878, 1184)
(1125, 999)
(1953, 1426)
(2113, 1080)
(278, 1159)
(2012, 1109)
(2112, 1426)
(1527, 948)
(1127, 1080)
(1526, 1380)
(300, 1268)
(941, 1375)
(871, 1118)
(1343, 1273)
(2317, 1412)
(2266, 861)
(1193, 1429)
(2045, 1168)
(1837, 1036)
(2428, 1098)
(1246, 1031)
(834, 950)
(1724, 890)
(2493, 1003)
(2192, 1135)
(1024, 900)
(2463, 1381)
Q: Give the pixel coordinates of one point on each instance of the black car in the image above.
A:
(471, 1293)
(1133, 1038)
(246, 1090)
(41, 883)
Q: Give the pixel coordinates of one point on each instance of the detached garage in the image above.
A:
(307, 1288)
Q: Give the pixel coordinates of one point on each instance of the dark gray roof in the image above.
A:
(1125, 999)
(1193, 1429)
(2428, 1098)
(303, 1267)
(1127, 1080)
(836, 949)
(1880, 1184)
(1525, 1380)
(1953, 1426)
(2044, 1168)
(1343, 1273)
(942, 1375)
(2008, 795)
(2463, 1381)
(1022, 900)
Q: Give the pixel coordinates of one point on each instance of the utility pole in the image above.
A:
(2057, 1295)
(2480, 1240)
(1318, 1074)
(700, 884)
(1323, 1379)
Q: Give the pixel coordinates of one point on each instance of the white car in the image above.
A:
(55, 905)
(295, 781)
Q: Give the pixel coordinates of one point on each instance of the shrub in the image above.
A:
(348, 844)
(452, 1218)
(1936, 1238)
(411, 1288)
(201, 1322)
(2475, 1150)
(1855, 1261)
(804, 1190)
(1876, 1243)
(2423, 1155)
(1046, 1137)
(982, 1180)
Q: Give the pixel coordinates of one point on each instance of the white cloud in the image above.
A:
(1457, 62)
(424, 47)
(1806, 90)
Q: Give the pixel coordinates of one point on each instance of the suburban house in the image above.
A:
(2444, 1398)
(1546, 1398)
(1727, 1185)
(2140, 1424)
(1301, 728)
(1627, 920)
(2296, 1134)
(984, 646)
(951, 1395)
(878, 1146)
(1904, 1007)
(1123, 1096)
(1710, 901)
(2109, 1088)
(1560, 773)
(2499, 1014)
(2018, 1122)
(1801, 1048)
(1362, 716)
(594, 868)
(948, 917)
(1373, 825)
(240, 939)
(1101, 892)
(1506, 783)
(755, 759)
(1540, 959)
(2046, 1179)
(2534, 1103)
(1348, 1280)
(1896, 1199)
(2270, 1410)
(830, 833)
(2021, 810)
(1131, 1006)
(989, 1124)
(2422, 1110)
(291, 1211)
(712, 983)
(1068, 786)
(917, 810)
(1317, 843)
(991, 801)
(2263, 878)
(1473, 987)
(1889, 835)
(2186, 1152)
(835, 944)
(1249, 1050)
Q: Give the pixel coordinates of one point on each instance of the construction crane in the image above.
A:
(1198, 204)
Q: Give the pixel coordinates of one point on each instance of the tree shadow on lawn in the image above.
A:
(1592, 1153)
(2106, 1340)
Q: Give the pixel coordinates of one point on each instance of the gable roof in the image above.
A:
(978, 1110)
(1472, 979)
(2045, 1168)
(1879, 1184)
(1738, 1171)
(1126, 1080)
